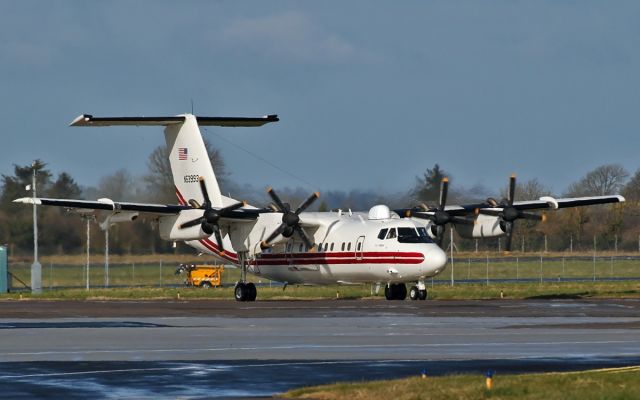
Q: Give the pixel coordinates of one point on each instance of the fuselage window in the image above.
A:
(326, 246)
(392, 233)
(359, 245)
(348, 246)
(331, 246)
(320, 247)
(342, 246)
(382, 233)
(301, 248)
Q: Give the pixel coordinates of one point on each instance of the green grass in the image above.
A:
(563, 290)
(623, 383)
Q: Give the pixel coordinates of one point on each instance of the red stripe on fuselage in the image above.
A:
(340, 258)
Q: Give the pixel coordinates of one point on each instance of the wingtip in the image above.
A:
(445, 179)
(317, 194)
(264, 245)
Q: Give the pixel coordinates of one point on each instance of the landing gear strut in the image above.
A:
(395, 291)
(244, 291)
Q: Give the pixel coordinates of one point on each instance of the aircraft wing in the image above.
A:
(544, 203)
(109, 205)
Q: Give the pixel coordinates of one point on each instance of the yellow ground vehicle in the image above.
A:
(205, 276)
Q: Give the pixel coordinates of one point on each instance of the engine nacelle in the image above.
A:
(170, 226)
(486, 226)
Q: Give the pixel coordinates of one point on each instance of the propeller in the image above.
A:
(290, 220)
(209, 219)
(509, 214)
(440, 218)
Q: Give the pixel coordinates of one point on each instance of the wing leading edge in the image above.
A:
(109, 205)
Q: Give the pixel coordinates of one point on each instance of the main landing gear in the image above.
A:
(244, 291)
(395, 291)
(398, 291)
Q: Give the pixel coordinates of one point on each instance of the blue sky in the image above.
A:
(369, 93)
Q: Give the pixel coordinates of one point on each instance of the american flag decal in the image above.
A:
(182, 153)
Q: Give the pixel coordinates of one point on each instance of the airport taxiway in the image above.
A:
(223, 348)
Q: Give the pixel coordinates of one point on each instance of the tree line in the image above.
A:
(63, 232)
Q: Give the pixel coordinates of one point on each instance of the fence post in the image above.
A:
(133, 273)
(594, 258)
(161, 274)
(451, 230)
(540, 268)
(468, 269)
(50, 275)
(562, 267)
(487, 270)
(517, 268)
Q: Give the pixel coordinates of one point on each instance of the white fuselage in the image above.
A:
(348, 250)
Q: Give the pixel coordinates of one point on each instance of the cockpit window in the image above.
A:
(383, 233)
(411, 235)
(392, 233)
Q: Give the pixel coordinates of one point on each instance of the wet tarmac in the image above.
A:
(208, 349)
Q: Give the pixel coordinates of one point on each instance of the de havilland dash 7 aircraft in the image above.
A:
(293, 246)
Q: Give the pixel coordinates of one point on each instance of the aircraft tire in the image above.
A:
(401, 291)
(252, 292)
(389, 292)
(422, 295)
(241, 292)
(414, 293)
(206, 285)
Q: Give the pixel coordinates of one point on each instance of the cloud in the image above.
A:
(291, 34)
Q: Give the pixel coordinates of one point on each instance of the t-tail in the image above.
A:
(188, 155)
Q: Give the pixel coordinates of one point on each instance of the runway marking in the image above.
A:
(302, 347)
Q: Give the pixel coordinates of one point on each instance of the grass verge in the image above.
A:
(620, 383)
(562, 290)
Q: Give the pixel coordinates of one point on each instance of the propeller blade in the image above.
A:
(512, 189)
(439, 235)
(205, 193)
(532, 217)
(444, 188)
(276, 199)
(509, 235)
(304, 237)
(228, 209)
(307, 202)
(216, 231)
(274, 235)
(422, 215)
(191, 223)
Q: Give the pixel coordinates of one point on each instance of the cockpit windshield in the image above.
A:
(411, 235)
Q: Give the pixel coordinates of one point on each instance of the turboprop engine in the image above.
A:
(172, 227)
(485, 226)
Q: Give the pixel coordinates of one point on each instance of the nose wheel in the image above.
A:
(417, 294)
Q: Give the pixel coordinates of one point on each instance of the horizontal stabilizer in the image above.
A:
(90, 120)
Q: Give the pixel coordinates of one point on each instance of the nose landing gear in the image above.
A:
(417, 294)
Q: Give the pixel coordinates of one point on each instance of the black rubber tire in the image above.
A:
(240, 292)
(252, 292)
(389, 292)
(401, 291)
(422, 295)
(206, 285)
(414, 293)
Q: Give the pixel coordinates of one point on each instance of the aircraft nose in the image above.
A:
(435, 258)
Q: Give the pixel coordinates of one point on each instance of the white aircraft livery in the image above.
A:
(293, 246)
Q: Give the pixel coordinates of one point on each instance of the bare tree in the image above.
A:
(605, 180)
(631, 190)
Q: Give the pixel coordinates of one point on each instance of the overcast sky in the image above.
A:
(370, 94)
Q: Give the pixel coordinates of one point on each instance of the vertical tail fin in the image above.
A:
(189, 161)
